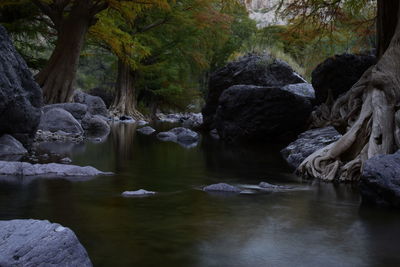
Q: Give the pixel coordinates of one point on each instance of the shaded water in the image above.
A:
(183, 226)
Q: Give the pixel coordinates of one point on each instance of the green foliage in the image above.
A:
(31, 35)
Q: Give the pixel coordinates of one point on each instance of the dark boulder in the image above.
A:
(76, 109)
(254, 113)
(96, 105)
(307, 143)
(20, 96)
(261, 70)
(338, 74)
(40, 243)
(380, 181)
(57, 119)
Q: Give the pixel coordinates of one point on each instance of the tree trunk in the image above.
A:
(57, 78)
(125, 98)
(369, 112)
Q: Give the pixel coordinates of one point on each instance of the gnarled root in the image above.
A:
(369, 117)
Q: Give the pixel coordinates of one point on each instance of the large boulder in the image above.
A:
(58, 119)
(261, 70)
(11, 148)
(76, 109)
(96, 105)
(307, 143)
(380, 181)
(20, 96)
(336, 75)
(95, 126)
(254, 113)
(40, 243)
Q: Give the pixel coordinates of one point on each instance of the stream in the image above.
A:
(315, 224)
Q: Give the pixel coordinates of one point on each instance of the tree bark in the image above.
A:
(57, 78)
(72, 20)
(125, 98)
(369, 112)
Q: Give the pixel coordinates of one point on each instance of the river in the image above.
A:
(315, 224)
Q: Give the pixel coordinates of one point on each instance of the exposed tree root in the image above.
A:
(369, 117)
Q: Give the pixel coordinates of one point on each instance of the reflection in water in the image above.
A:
(183, 226)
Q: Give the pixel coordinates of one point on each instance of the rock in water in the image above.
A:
(180, 135)
(20, 96)
(222, 187)
(138, 193)
(76, 109)
(96, 105)
(95, 126)
(249, 113)
(338, 74)
(260, 70)
(16, 168)
(146, 130)
(307, 143)
(57, 119)
(11, 148)
(380, 181)
(40, 243)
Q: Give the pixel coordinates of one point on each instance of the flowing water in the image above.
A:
(313, 225)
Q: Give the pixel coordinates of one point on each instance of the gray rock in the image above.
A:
(95, 104)
(20, 96)
(66, 161)
(307, 143)
(11, 148)
(167, 136)
(249, 113)
(146, 130)
(180, 135)
(380, 181)
(15, 168)
(40, 243)
(172, 118)
(222, 187)
(57, 119)
(192, 120)
(59, 136)
(138, 193)
(301, 89)
(76, 109)
(142, 123)
(95, 126)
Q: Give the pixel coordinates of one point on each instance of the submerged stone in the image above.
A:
(222, 187)
(138, 193)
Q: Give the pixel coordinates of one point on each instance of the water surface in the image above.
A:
(319, 225)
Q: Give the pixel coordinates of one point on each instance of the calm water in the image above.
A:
(319, 225)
